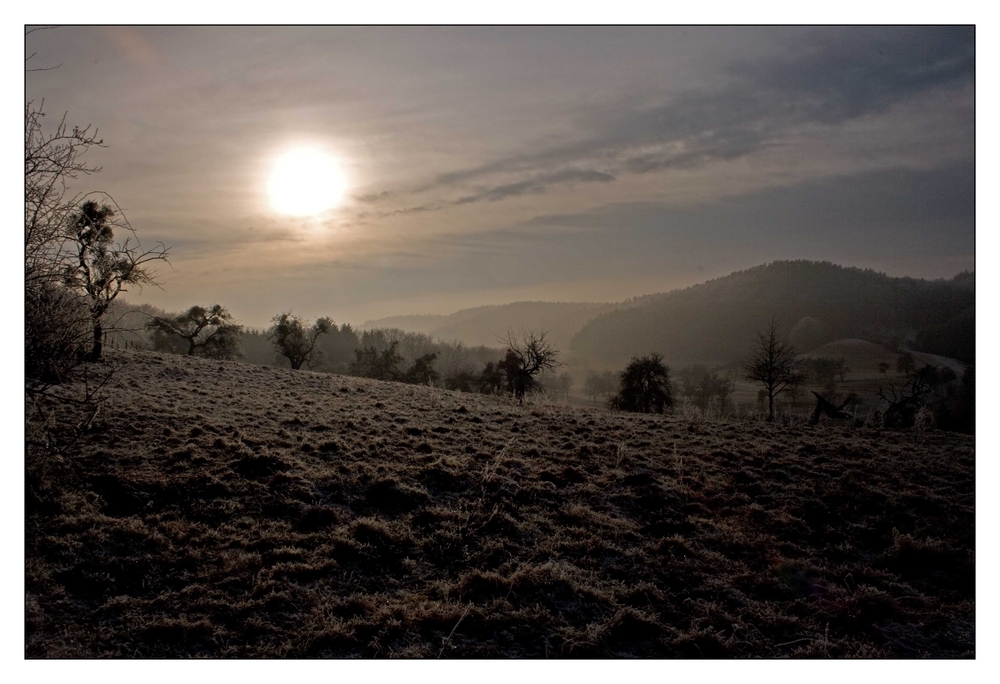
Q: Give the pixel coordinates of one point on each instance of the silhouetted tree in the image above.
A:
(102, 268)
(591, 384)
(493, 378)
(207, 332)
(293, 341)
(645, 386)
(905, 363)
(902, 404)
(525, 359)
(607, 383)
(842, 368)
(335, 350)
(378, 365)
(725, 388)
(774, 364)
(563, 385)
(705, 388)
(422, 371)
(825, 372)
(555, 386)
(883, 367)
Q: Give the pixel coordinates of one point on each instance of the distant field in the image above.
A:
(229, 510)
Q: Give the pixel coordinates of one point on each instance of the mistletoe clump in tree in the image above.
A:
(101, 268)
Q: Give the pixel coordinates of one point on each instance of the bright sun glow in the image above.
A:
(305, 182)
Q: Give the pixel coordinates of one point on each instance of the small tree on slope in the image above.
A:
(645, 386)
(773, 364)
(293, 341)
(525, 359)
(101, 268)
(212, 331)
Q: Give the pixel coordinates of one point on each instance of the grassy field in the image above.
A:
(227, 510)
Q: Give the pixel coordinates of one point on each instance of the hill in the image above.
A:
(219, 509)
(483, 325)
(714, 322)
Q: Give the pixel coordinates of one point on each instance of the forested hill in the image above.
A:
(482, 325)
(714, 322)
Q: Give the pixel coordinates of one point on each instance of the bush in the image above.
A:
(56, 334)
(422, 371)
(645, 386)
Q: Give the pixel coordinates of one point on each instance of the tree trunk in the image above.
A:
(770, 407)
(191, 347)
(95, 352)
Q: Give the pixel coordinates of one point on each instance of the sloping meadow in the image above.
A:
(227, 510)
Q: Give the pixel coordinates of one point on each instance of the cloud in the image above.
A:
(373, 197)
(828, 77)
(514, 190)
(917, 222)
(536, 185)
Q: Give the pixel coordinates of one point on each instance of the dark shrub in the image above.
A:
(645, 386)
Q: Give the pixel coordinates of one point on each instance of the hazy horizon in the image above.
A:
(492, 165)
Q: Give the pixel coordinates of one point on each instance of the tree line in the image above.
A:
(529, 364)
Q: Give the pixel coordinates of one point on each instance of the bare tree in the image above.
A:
(101, 268)
(903, 403)
(526, 358)
(774, 364)
(68, 248)
(56, 319)
(293, 341)
(212, 331)
(51, 162)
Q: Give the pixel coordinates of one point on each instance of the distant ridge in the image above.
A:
(482, 325)
(714, 322)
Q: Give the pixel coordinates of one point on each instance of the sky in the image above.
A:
(490, 165)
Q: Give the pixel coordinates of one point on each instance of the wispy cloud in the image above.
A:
(830, 78)
(536, 185)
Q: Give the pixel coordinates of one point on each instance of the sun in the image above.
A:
(304, 182)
